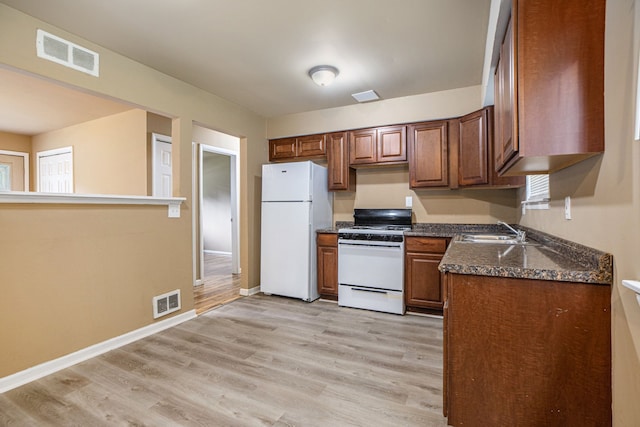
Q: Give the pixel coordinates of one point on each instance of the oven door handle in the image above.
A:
(381, 246)
(375, 291)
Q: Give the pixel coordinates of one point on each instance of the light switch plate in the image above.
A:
(408, 202)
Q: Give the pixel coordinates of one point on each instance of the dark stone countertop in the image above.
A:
(549, 258)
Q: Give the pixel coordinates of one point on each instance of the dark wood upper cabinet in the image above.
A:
(428, 154)
(474, 154)
(384, 145)
(392, 144)
(297, 148)
(341, 176)
(473, 160)
(282, 149)
(549, 86)
(311, 146)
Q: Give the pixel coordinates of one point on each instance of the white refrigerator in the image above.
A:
(295, 203)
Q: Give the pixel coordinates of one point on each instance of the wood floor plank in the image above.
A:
(220, 286)
(257, 361)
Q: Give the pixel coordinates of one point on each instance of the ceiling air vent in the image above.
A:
(66, 53)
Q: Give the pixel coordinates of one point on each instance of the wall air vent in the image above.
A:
(66, 53)
(166, 303)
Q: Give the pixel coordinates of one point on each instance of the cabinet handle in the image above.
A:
(376, 291)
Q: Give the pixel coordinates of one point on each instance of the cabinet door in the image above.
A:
(472, 152)
(341, 176)
(428, 155)
(328, 265)
(362, 146)
(282, 149)
(507, 142)
(311, 146)
(392, 144)
(423, 283)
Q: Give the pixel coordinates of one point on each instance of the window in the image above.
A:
(537, 192)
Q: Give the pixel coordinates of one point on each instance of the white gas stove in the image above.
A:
(371, 260)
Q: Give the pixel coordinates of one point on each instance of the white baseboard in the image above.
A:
(36, 372)
(250, 291)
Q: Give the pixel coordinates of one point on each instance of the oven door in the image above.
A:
(377, 265)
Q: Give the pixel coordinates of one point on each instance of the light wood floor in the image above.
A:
(260, 360)
(220, 285)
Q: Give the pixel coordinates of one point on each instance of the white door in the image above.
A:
(55, 170)
(14, 171)
(162, 183)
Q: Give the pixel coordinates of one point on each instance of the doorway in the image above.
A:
(217, 270)
(14, 171)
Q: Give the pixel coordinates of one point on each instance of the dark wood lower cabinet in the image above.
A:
(423, 285)
(327, 246)
(526, 352)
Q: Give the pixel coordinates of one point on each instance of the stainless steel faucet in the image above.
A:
(520, 234)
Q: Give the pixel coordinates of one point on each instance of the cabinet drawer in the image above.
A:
(327, 239)
(426, 244)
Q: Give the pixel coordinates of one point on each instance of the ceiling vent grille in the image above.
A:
(69, 54)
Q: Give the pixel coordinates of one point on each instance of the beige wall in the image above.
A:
(109, 154)
(15, 142)
(82, 258)
(605, 195)
(388, 188)
(428, 106)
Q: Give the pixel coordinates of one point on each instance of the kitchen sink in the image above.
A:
(506, 239)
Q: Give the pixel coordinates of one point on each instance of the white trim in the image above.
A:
(197, 279)
(36, 372)
(248, 292)
(25, 159)
(88, 199)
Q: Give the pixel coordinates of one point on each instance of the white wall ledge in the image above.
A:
(92, 199)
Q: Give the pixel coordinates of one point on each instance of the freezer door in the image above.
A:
(283, 182)
(285, 266)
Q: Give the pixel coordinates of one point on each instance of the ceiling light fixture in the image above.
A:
(323, 75)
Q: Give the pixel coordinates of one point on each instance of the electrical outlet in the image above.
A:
(567, 207)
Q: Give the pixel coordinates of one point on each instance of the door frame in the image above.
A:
(25, 161)
(234, 163)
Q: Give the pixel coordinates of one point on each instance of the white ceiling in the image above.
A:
(257, 53)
